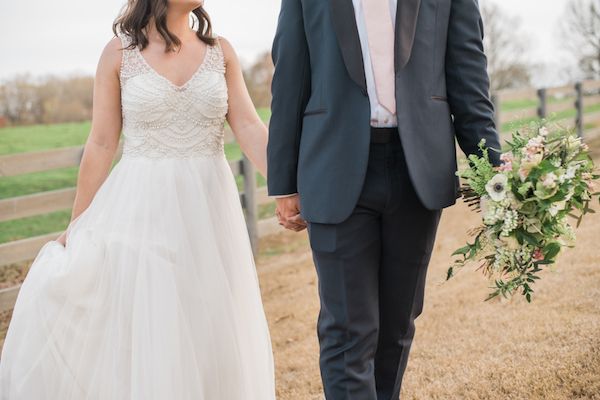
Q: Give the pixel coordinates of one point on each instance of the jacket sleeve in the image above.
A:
(290, 90)
(467, 81)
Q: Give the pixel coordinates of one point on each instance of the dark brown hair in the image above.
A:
(137, 14)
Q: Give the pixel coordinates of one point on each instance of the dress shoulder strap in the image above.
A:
(215, 57)
(131, 64)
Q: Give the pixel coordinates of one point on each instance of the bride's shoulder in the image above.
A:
(229, 53)
(114, 47)
(111, 56)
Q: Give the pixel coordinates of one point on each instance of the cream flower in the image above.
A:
(497, 187)
(523, 173)
(534, 145)
(484, 204)
(514, 203)
(533, 160)
(511, 242)
(571, 171)
(556, 207)
(549, 180)
(529, 162)
(573, 143)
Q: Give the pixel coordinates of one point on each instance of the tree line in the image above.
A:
(25, 99)
(28, 100)
(509, 48)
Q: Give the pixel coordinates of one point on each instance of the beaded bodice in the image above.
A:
(163, 120)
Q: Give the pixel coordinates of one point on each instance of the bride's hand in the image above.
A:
(62, 239)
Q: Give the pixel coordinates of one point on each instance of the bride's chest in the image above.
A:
(150, 96)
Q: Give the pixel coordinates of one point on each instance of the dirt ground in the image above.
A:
(464, 348)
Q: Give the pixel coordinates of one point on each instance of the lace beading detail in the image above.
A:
(163, 120)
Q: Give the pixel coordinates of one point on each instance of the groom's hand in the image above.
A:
(288, 213)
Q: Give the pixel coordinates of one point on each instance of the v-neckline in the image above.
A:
(167, 80)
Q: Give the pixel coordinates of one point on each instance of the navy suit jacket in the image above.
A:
(320, 125)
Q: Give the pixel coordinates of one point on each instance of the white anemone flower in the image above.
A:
(497, 187)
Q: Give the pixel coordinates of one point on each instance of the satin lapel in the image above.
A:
(406, 24)
(344, 24)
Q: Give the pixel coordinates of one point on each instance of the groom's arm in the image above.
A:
(467, 80)
(291, 90)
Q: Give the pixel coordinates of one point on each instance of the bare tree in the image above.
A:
(19, 101)
(505, 46)
(25, 100)
(581, 33)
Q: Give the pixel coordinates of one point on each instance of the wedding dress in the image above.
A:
(155, 296)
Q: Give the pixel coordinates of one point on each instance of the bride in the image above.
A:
(151, 293)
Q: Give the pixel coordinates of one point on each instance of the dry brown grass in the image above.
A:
(464, 348)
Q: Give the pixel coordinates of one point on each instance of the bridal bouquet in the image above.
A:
(546, 176)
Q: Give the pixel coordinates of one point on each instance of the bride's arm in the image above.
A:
(103, 140)
(249, 130)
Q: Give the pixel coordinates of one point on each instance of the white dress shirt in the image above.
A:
(380, 116)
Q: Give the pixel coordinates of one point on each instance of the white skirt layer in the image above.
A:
(154, 297)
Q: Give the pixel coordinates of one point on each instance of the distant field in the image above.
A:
(20, 139)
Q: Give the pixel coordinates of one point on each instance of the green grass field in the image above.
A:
(22, 139)
(42, 137)
(524, 104)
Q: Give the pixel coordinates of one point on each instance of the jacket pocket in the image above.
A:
(315, 111)
(439, 98)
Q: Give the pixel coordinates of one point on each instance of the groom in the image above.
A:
(368, 98)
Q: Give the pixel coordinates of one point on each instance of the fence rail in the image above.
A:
(567, 105)
(570, 105)
(62, 199)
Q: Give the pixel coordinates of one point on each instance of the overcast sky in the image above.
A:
(67, 36)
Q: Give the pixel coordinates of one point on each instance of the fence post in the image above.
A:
(542, 109)
(579, 108)
(496, 103)
(250, 205)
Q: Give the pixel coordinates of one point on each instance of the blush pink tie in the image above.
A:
(380, 33)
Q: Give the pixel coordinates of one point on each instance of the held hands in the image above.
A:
(288, 213)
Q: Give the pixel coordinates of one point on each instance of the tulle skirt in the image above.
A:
(154, 297)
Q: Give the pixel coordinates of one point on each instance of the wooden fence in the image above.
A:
(570, 101)
(567, 106)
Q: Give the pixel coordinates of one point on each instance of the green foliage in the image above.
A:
(480, 172)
